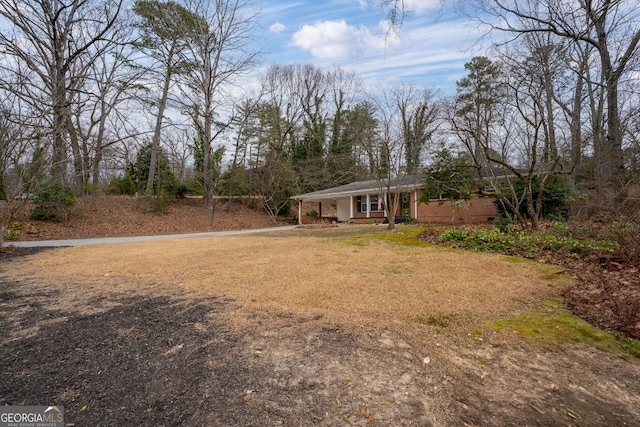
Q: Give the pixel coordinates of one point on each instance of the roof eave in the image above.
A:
(342, 194)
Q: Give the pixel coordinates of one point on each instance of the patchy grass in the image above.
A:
(554, 326)
(437, 319)
(368, 275)
(381, 330)
(403, 235)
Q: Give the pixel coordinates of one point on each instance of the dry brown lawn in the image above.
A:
(350, 325)
(336, 276)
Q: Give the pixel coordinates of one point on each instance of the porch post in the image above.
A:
(415, 204)
(350, 207)
(300, 212)
(320, 210)
(386, 204)
(368, 206)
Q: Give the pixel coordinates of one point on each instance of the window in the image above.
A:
(376, 203)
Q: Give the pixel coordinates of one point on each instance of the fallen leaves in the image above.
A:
(112, 216)
(366, 412)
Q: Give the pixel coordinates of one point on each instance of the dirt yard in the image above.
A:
(315, 327)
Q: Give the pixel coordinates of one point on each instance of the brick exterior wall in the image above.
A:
(474, 211)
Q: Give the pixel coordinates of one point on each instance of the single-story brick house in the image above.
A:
(362, 202)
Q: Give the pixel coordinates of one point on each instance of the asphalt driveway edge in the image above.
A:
(130, 239)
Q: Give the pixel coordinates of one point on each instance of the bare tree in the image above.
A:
(304, 115)
(245, 123)
(419, 112)
(111, 94)
(221, 49)
(611, 27)
(506, 130)
(275, 183)
(386, 151)
(50, 47)
(179, 150)
(164, 28)
(22, 162)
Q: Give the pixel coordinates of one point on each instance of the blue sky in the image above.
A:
(431, 49)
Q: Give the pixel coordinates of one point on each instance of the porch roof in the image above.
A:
(398, 185)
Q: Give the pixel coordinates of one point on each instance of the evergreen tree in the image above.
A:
(165, 181)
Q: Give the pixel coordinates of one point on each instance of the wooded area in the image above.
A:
(163, 98)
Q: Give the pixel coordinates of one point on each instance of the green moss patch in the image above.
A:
(555, 326)
(406, 235)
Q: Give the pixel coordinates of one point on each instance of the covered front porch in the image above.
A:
(361, 201)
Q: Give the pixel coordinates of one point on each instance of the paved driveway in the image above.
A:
(105, 240)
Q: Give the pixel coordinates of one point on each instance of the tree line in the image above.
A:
(99, 92)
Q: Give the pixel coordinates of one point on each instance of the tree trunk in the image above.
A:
(155, 141)
(551, 146)
(3, 230)
(531, 209)
(60, 111)
(575, 125)
(614, 144)
(78, 170)
(596, 105)
(97, 157)
(59, 159)
(206, 169)
(617, 174)
(391, 203)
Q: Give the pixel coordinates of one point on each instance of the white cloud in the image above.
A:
(415, 6)
(277, 28)
(419, 6)
(337, 39)
(428, 53)
(329, 39)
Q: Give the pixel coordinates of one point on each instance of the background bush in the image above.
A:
(54, 202)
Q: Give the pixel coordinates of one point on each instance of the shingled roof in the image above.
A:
(401, 184)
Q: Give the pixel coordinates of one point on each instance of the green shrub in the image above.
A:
(555, 198)
(195, 187)
(505, 224)
(91, 188)
(456, 235)
(159, 204)
(560, 239)
(165, 182)
(13, 232)
(182, 190)
(312, 212)
(121, 186)
(54, 202)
